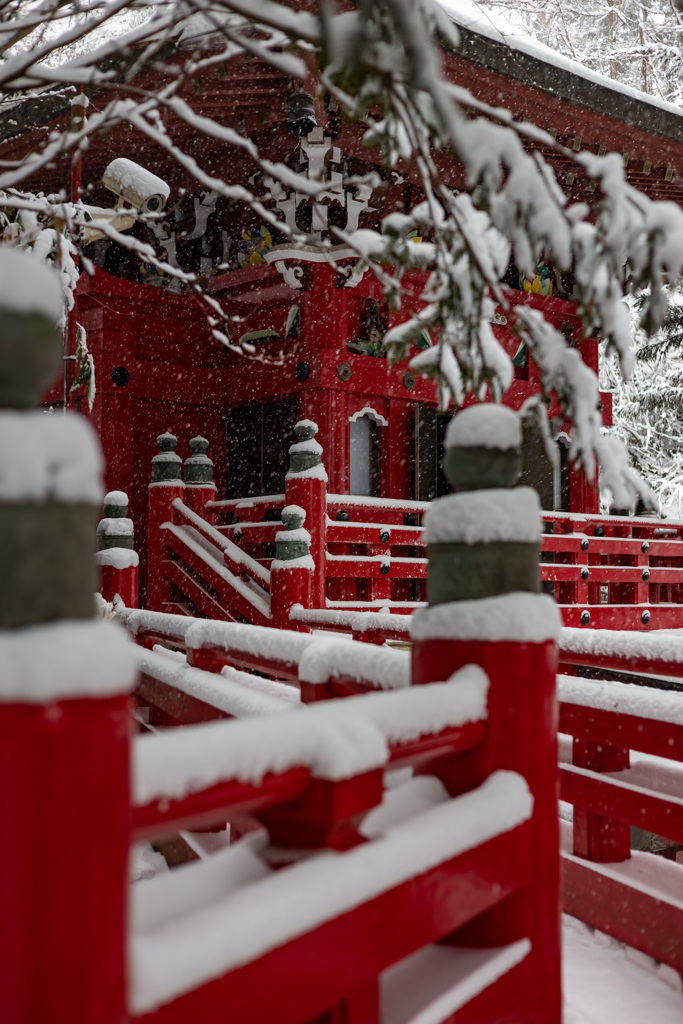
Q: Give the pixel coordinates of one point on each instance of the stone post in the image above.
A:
(165, 487)
(484, 607)
(292, 568)
(198, 476)
(116, 557)
(306, 486)
(64, 682)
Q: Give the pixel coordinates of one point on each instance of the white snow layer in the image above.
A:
(623, 643)
(302, 562)
(485, 426)
(118, 558)
(226, 691)
(624, 698)
(119, 498)
(335, 739)
(132, 175)
(27, 286)
(179, 951)
(67, 659)
(161, 622)
(521, 617)
(44, 457)
(314, 473)
(484, 517)
(260, 641)
(118, 527)
(325, 658)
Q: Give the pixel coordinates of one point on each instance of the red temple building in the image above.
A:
(311, 323)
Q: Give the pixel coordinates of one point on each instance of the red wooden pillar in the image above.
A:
(198, 476)
(64, 715)
(306, 487)
(165, 487)
(116, 557)
(485, 609)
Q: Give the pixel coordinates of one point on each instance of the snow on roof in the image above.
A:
(28, 286)
(469, 15)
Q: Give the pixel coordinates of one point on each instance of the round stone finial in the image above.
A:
(483, 448)
(115, 505)
(198, 468)
(199, 445)
(305, 453)
(294, 541)
(305, 430)
(166, 442)
(166, 465)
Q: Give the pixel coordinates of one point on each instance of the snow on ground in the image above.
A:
(608, 983)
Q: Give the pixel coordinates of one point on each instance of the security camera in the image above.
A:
(135, 185)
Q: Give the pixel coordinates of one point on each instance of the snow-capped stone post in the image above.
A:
(116, 555)
(198, 476)
(292, 568)
(306, 486)
(485, 607)
(65, 678)
(165, 487)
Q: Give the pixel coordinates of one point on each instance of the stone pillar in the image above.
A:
(116, 557)
(485, 608)
(165, 487)
(306, 486)
(292, 568)
(198, 476)
(64, 682)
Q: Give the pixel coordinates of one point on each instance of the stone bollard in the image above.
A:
(484, 607)
(116, 557)
(198, 476)
(165, 487)
(64, 682)
(306, 486)
(292, 568)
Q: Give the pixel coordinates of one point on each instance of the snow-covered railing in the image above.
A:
(626, 772)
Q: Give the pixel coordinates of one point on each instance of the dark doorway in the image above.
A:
(430, 433)
(258, 441)
(364, 456)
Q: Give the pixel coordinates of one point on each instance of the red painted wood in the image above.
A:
(604, 796)
(522, 731)
(287, 588)
(217, 803)
(66, 831)
(123, 582)
(160, 511)
(624, 911)
(596, 836)
(315, 972)
(623, 731)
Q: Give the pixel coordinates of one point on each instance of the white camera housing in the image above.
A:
(136, 185)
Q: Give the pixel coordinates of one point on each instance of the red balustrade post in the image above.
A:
(198, 476)
(485, 608)
(306, 486)
(116, 557)
(165, 487)
(64, 715)
(292, 569)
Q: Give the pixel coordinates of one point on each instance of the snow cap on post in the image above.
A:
(305, 455)
(483, 541)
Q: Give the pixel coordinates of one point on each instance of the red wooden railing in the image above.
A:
(275, 766)
(632, 895)
(615, 572)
